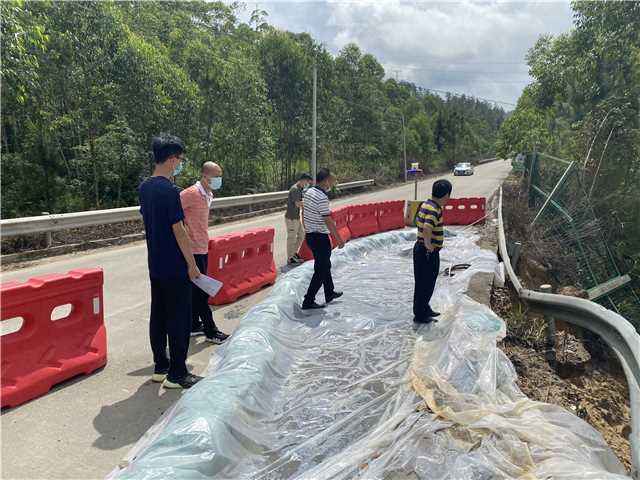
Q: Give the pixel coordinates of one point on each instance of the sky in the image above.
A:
(475, 48)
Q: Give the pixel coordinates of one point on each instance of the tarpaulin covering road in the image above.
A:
(358, 391)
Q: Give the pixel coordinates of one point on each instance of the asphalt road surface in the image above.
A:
(84, 427)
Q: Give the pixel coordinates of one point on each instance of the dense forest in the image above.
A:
(584, 105)
(85, 85)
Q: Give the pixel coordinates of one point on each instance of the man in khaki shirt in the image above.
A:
(295, 231)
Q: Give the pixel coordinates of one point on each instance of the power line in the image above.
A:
(477, 62)
(466, 95)
(472, 72)
(475, 82)
(500, 102)
(374, 109)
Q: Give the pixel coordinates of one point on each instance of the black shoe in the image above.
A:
(425, 320)
(187, 381)
(311, 306)
(295, 260)
(197, 331)
(334, 295)
(218, 338)
(433, 314)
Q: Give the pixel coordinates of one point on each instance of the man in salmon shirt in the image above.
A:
(196, 201)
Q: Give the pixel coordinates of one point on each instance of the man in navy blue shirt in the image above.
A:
(171, 265)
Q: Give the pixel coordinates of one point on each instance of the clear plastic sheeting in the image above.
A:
(358, 391)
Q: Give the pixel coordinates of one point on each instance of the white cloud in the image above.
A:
(477, 48)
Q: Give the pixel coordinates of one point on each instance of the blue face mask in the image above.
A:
(178, 170)
(215, 183)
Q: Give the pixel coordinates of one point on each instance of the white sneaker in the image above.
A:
(159, 377)
(198, 332)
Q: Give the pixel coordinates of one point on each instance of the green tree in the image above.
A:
(87, 84)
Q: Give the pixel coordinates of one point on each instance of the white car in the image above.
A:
(463, 169)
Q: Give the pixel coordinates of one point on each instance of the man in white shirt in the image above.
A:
(318, 225)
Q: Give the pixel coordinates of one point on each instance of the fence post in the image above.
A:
(517, 248)
(49, 235)
(533, 166)
(550, 343)
(634, 434)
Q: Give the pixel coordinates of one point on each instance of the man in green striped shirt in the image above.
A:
(426, 252)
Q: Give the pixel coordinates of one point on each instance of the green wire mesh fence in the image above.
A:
(566, 223)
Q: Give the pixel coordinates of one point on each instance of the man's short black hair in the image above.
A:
(305, 176)
(323, 174)
(441, 188)
(165, 146)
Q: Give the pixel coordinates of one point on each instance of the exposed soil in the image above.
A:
(594, 390)
(586, 379)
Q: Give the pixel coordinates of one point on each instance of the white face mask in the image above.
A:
(215, 183)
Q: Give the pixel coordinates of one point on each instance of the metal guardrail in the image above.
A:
(614, 329)
(66, 221)
(487, 160)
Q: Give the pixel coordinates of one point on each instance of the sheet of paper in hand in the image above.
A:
(208, 284)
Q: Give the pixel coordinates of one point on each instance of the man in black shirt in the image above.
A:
(171, 265)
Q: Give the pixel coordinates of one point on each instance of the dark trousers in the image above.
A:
(202, 317)
(170, 318)
(320, 245)
(426, 266)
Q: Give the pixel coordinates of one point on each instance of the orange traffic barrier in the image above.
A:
(464, 211)
(363, 220)
(56, 331)
(243, 262)
(341, 217)
(390, 215)
(305, 252)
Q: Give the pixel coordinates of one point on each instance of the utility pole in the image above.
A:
(404, 147)
(404, 136)
(314, 122)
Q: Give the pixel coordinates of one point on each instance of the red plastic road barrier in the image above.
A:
(243, 261)
(40, 351)
(305, 252)
(341, 217)
(363, 220)
(464, 211)
(391, 215)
